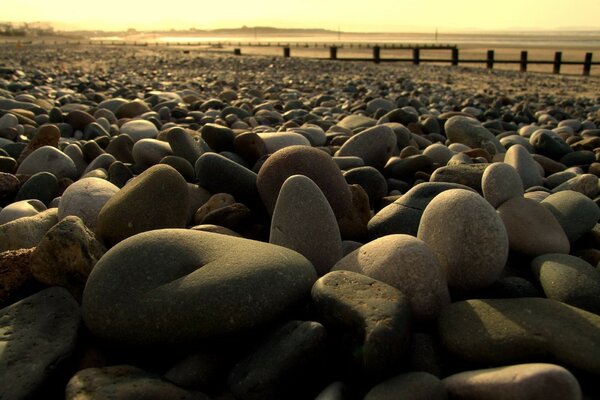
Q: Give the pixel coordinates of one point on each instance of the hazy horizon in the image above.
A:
(381, 16)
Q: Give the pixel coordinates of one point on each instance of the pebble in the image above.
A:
(141, 205)
(37, 333)
(497, 332)
(48, 159)
(373, 145)
(501, 182)
(147, 152)
(463, 174)
(46, 135)
(409, 386)
(26, 232)
(447, 220)
(371, 180)
(409, 265)
(519, 382)
(303, 221)
(21, 209)
(139, 129)
(519, 158)
(142, 276)
(568, 279)
(575, 212)
(586, 184)
(470, 132)
(15, 274)
(374, 316)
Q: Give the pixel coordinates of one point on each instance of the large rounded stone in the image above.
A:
(42, 186)
(36, 334)
(469, 131)
(49, 159)
(453, 216)
(568, 279)
(308, 161)
(142, 205)
(27, 232)
(85, 198)
(463, 174)
(148, 152)
(501, 182)
(176, 286)
(303, 221)
(409, 386)
(130, 109)
(518, 382)
(406, 263)
(528, 169)
(139, 129)
(21, 209)
(373, 145)
(497, 332)
(575, 212)
(532, 229)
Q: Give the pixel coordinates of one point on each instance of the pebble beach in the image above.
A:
(193, 225)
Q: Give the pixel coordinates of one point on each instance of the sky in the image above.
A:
(346, 15)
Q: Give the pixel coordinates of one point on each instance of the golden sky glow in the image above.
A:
(373, 15)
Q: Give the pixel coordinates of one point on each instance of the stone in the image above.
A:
(250, 146)
(184, 145)
(409, 386)
(218, 137)
(313, 163)
(374, 145)
(586, 184)
(139, 129)
(463, 174)
(176, 286)
(356, 122)
(48, 159)
(236, 217)
(66, 255)
(439, 153)
(36, 333)
(558, 178)
(532, 229)
(501, 182)
(568, 279)
(406, 168)
(15, 273)
(404, 214)
(218, 174)
(148, 152)
(79, 119)
(519, 158)
(181, 165)
(353, 225)
(470, 132)
(8, 164)
(215, 202)
(8, 121)
(119, 174)
(274, 141)
(75, 153)
(575, 212)
(334, 391)
(26, 232)
(406, 263)
(141, 205)
(456, 214)
(371, 180)
(102, 162)
(46, 135)
(519, 382)
(124, 382)
(286, 362)
(303, 221)
(380, 103)
(314, 133)
(21, 209)
(9, 184)
(85, 198)
(495, 332)
(372, 317)
(131, 109)
(42, 186)
(121, 147)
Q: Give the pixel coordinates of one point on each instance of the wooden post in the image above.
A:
(333, 53)
(557, 62)
(237, 52)
(377, 54)
(416, 56)
(587, 65)
(490, 59)
(286, 52)
(523, 64)
(455, 56)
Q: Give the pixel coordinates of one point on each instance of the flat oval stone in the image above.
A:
(184, 145)
(139, 129)
(274, 141)
(371, 180)
(85, 198)
(532, 229)
(356, 121)
(374, 316)
(21, 209)
(148, 152)
(27, 232)
(48, 159)
(519, 158)
(218, 137)
(470, 132)
(439, 153)
(498, 332)
(303, 221)
(409, 386)
(501, 182)
(308, 161)
(568, 279)
(464, 174)
(374, 145)
(586, 184)
(454, 215)
(406, 263)
(141, 205)
(130, 109)
(314, 133)
(36, 333)
(174, 286)
(518, 382)
(575, 212)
